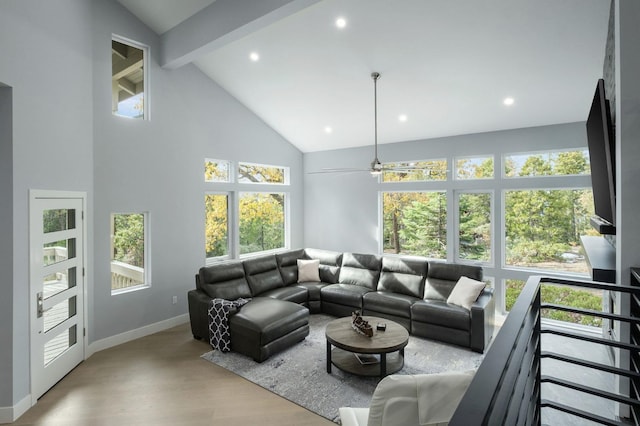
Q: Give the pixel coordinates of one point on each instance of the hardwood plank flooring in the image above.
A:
(161, 380)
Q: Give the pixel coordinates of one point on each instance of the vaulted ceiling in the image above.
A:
(446, 66)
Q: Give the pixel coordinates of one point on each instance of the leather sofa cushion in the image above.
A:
(361, 270)
(388, 303)
(224, 280)
(442, 278)
(330, 262)
(287, 262)
(403, 275)
(441, 313)
(344, 294)
(262, 274)
(290, 293)
(265, 319)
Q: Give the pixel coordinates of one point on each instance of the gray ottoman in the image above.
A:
(265, 326)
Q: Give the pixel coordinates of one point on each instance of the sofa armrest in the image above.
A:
(483, 313)
(350, 416)
(198, 313)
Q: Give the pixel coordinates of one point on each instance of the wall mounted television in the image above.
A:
(601, 143)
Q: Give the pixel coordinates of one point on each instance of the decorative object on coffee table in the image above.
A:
(343, 344)
(360, 325)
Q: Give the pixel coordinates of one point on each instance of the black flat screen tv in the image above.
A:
(601, 142)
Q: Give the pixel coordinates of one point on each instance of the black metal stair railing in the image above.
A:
(506, 387)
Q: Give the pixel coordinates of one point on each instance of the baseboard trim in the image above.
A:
(11, 414)
(130, 335)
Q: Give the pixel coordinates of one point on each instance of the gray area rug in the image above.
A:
(299, 373)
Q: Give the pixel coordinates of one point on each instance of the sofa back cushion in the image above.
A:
(403, 275)
(360, 269)
(224, 280)
(262, 274)
(330, 262)
(442, 278)
(288, 265)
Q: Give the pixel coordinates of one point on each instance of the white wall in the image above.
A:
(47, 60)
(157, 166)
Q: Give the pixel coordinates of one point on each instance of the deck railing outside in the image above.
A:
(124, 275)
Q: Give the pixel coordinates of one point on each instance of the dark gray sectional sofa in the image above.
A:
(411, 291)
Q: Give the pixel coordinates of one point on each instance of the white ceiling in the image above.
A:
(446, 64)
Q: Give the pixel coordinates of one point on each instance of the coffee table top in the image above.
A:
(340, 334)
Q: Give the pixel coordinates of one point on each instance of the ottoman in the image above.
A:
(265, 326)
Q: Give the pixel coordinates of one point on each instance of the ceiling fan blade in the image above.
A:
(339, 170)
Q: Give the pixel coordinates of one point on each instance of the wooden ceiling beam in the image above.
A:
(127, 66)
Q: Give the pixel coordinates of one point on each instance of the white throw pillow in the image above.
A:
(466, 292)
(308, 270)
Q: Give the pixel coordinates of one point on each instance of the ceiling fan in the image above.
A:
(376, 168)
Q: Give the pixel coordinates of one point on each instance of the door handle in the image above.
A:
(41, 309)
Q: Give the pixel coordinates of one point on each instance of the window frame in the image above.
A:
(146, 257)
(285, 169)
(443, 159)
(146, 111)
(473, 157)
(504, 157)
(456, 234)
(230, 229)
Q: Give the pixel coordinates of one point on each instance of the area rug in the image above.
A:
(299, 373)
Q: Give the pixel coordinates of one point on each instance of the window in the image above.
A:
(216, 225)
(417, 171)
(415, 223)
(217, 170)
(261, 221)
(543, 228)
(260, 173)
(475, 232)
(550, 163)
(560, 295)
(474, 168)
(129, 256)
(128, 79)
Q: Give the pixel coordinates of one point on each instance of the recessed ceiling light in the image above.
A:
(254, 56)
(328, 129)
(508, 101)
(402, 117)
(341, 22)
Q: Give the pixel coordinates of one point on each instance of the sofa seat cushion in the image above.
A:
(344, 294)
(293, 294)
(388, 303)
(265, 319)
(441, 313)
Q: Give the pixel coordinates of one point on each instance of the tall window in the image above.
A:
(129, 255)
(475, 231)
(128, 79)
(415, 223)
(262, 221)
(543, 228)
(216, 225)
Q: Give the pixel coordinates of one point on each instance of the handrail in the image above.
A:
(506, 387)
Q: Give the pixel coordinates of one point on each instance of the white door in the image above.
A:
(56, 287)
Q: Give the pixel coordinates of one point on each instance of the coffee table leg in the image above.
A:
(383, 365)
(328, 357)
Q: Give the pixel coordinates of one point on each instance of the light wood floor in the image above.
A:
(161, 380)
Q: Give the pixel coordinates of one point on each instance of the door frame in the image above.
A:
(54, 194)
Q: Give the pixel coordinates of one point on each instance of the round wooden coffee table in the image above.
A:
(348, 344)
